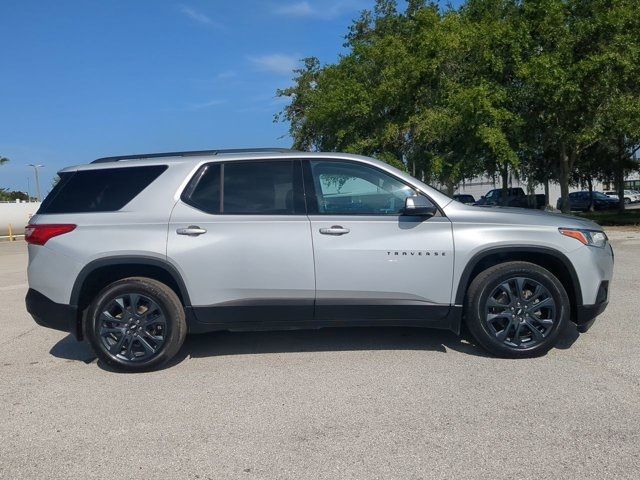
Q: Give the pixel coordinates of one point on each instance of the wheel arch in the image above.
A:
(553, 260)
(104, 271)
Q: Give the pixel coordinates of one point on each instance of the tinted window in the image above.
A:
(103, 190)
(205, 189)
(347, 188)
(264, 188)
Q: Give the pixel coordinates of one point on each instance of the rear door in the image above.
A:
(242, 240)
(371, 261)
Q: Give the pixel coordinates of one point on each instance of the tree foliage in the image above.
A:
(532, 87)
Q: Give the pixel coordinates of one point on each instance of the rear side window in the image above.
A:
(258, 188)
(248, 188)
(103, 190)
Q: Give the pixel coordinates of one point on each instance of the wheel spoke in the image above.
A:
(134, 302)
(128, 352)
(520, 285)
(491, 317)
(492, 302)
(506, 288)
(516, 336)
(107, 317)
(120, 302)
(109, 330)
(536, 294)
(537, 335)
(502, 335)
(547, 302)
(116, 348)
(146, 345)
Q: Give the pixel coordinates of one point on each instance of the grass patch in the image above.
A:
(607, 219)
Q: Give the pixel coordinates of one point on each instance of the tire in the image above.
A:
(627, 201)
(503, 322)
(140, 338)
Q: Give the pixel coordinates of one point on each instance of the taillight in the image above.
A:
(40, 234)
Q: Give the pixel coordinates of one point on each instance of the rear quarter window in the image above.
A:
(103, 190)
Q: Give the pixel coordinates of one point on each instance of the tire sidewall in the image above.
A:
(487, 339)
(157, 295)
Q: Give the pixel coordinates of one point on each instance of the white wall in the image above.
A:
(17, 215)
(480, 186)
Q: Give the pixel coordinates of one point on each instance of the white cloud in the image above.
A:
(300, 9)
(226, 75)
(326, 11)
(198, 17)
(209, 104)
(275, 63)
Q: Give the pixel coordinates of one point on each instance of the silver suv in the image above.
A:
(135, 252)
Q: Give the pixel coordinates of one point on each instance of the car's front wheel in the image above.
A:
(136, 324)
(516, 309)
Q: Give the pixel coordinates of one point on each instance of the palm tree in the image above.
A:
(3, 160)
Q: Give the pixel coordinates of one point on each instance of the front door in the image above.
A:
(241, 239)
(371, 261)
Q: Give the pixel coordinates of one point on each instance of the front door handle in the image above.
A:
(335, 230)
(191, 230)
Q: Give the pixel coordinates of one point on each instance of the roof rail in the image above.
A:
(192, 153)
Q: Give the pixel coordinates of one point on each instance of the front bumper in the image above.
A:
(586, 314)
(50, 314)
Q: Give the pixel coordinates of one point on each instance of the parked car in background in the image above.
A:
(515, 197)
(581, 201)
(633, 195)
(464, 198)
(629, 196)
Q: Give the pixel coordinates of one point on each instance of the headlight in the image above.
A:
(593, 238)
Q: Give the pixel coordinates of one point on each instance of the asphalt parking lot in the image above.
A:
(336, 403)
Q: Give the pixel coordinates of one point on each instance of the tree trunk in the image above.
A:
(505, 180)
(563, 174)
(619, 174)
(546, 191)
(531, 194)
(450, 188)
(590, 183)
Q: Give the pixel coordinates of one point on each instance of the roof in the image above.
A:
(191, 153)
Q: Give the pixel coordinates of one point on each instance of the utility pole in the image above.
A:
(35, 169)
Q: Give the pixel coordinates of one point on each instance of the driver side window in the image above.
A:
(348, 188)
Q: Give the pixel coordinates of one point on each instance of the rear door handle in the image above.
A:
(191, 230)
(335, 230)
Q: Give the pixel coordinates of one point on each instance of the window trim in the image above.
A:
(298, 187)
(66, 177)
(312, 198)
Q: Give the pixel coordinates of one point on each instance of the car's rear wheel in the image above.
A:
(516, 309)
(136, 324)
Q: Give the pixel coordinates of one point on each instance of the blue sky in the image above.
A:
(88, 78)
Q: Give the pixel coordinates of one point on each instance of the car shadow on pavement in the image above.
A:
(323, 340)
(70, 349)
(227, 343)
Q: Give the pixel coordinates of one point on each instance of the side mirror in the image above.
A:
(419, 206)
(483, 197)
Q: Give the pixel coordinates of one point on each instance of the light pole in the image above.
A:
(35, 169)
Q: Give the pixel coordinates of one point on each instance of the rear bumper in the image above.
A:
(50, 314)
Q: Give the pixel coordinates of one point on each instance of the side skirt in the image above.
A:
(301, 317)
